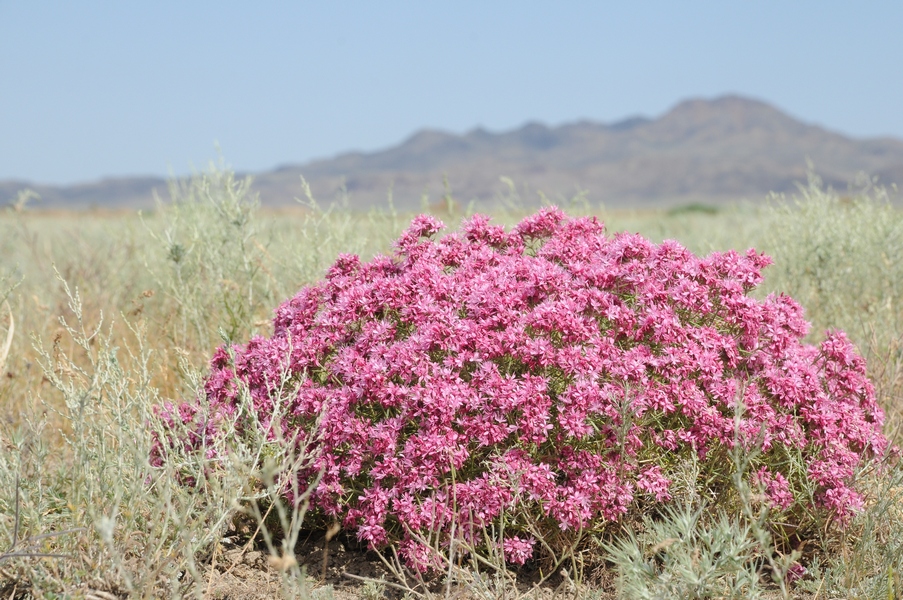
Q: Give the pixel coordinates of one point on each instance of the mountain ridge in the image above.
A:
(701, 150)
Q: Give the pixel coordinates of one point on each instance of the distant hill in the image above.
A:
(709, 151)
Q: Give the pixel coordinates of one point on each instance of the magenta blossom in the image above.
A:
(550, 371)
(518, 550)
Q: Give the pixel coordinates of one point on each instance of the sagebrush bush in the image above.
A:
(687, 553)
(842, 256)
(551, 377)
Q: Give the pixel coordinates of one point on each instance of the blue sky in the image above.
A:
(91, 89)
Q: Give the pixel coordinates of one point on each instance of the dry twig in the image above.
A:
(4, 350)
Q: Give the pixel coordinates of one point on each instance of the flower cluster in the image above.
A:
(550, 371)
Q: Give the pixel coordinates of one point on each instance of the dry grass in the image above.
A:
(106, 315)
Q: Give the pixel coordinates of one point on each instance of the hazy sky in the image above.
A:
(91, 89)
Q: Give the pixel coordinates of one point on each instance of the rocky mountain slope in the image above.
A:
(709, 151)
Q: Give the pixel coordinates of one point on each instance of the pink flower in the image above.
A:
(518, 550)
(551, 370)
(776, 486)
(653, 482)
(795, 572)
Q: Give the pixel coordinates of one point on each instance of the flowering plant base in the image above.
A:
(550, 376)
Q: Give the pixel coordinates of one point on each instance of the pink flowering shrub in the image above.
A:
(549, 371)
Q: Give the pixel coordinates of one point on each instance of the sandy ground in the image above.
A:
(252, 574)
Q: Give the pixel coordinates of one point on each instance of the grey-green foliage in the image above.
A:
(841, 257)
(220, 265)
(868, 562)
(213, 257)
(309, 243)
(736, 226)
(144, 530)
(686, 554)
(7, 284)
